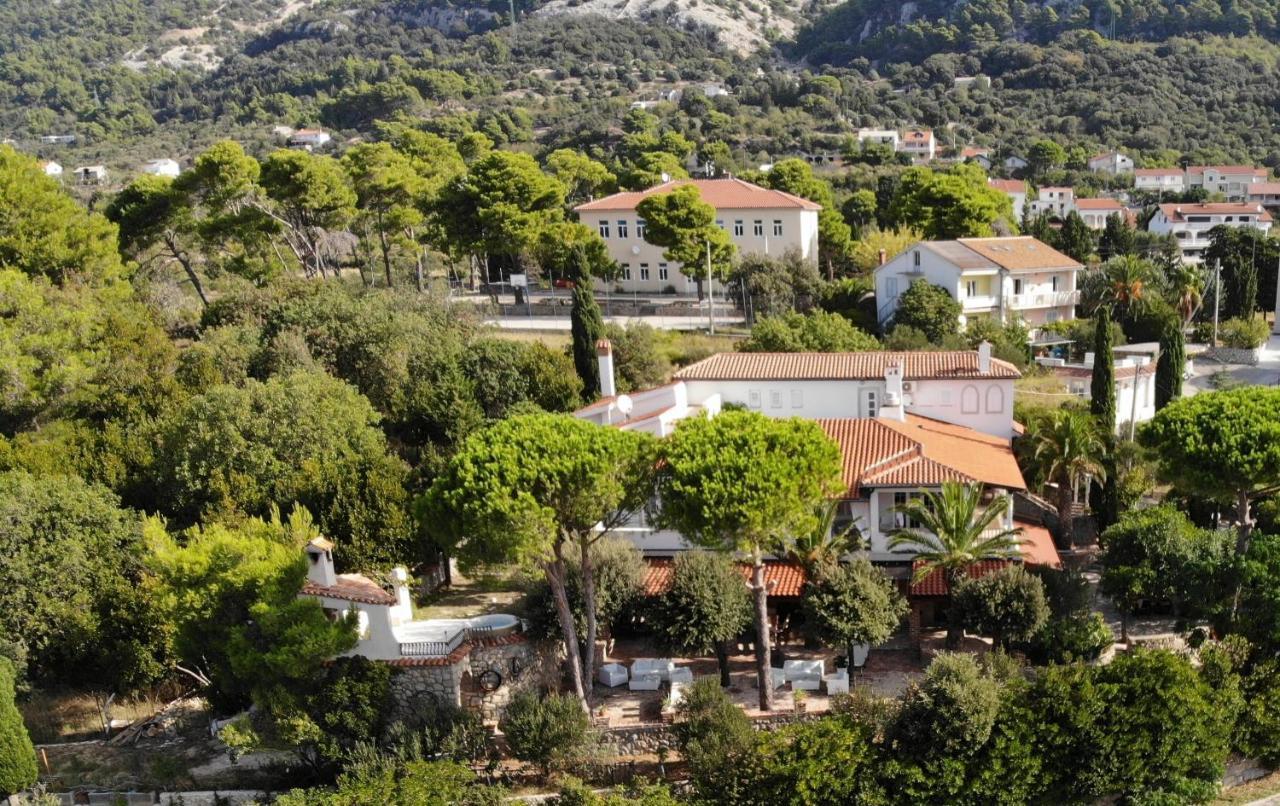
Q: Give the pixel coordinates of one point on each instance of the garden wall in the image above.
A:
(481, 675)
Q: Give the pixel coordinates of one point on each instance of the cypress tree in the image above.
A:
(1102, 404)
(587, 326)
(1173, 357)
(18, 769)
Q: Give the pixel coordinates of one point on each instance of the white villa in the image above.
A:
(1095, 212)
(1168, 180)
(884, 137)
(759, 221)
(904, 422)
(1112, 162)
(162, 167)
(1232, 181)
(991, 277)
(920, 144)
(309, 139)
(1056, 201)
(1135, 373)
(1016, 190)
(1190, 223)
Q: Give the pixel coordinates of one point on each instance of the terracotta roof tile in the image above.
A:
(919, 453)
(1008, 185)
(1098, 204)
(782, 578)
(1020, 254)
(723, 194)
(1227, 169)
(841, 366)
(351, 588)
(1158, 172)
(1263, 189)
(1037, 546)
(1178, 212)
(935, 584)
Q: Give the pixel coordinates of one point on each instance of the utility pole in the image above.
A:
(1217, 298)
(711, 294)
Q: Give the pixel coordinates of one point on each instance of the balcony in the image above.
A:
(980, 303)
(1049, 299)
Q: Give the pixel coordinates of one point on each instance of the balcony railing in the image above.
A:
(1050, 299)
(979, 303)
(432, 649)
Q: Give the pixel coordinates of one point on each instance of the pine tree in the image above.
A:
(587, 326)
(1102, 404)
(18, 769)
(1075, 239)
(1173, 356)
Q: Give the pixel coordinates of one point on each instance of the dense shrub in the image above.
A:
(1244, 334)
(1008, 605)
(549, 730)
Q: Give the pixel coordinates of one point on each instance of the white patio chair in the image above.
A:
(837, 683)
(680, 674)
(644, 682)
(612, 674)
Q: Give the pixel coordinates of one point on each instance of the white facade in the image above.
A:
(1056, 201)
(1112, 163)
(1095, 212)
(1135, 386)
(91, 174)
(1016, 190)
(1014, 163)
(309, 138)
(1167, 180)
(1232, 181)
(52, 169)
(920, 144)
(1190, 223)
(759, 221)
(884, 137)
(162, 167)
(1026, 278)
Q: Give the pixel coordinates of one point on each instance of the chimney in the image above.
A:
(984, 357)
(604, 354)
(320, 562)
(892, 408)
(884, 257)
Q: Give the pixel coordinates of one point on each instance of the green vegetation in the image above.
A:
(18, 769)
(706, 606)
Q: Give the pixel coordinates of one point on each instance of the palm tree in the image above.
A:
(1068, 447)
(1122, 282)
(951, 534)
(1186, 291)
(828, 541)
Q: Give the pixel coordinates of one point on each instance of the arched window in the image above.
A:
(969, 398)
(995, 400)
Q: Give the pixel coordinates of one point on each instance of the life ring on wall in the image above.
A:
(490, 681)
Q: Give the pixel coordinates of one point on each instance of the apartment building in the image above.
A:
(1190, 223)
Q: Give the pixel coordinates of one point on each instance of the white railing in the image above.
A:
(979, 303)
(432, 649)
(1050, 299)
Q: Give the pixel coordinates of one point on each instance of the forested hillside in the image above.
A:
(138, 80)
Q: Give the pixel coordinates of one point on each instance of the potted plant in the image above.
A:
(800, 697)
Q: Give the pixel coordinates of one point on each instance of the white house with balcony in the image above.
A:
(1232, 181)
(1054, 201)
(882, 137)
(1016, 190)
(990, 277)
(759, 221)
(1265, 194)
(1111, 162)
(1135, 381)
(1160, 180)
(920, 144)
(1095, 212)
(309, 139)
(1190, 223)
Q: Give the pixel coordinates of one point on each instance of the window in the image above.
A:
(663, 274)
(626, 271)
(720, 223)
(797, 399)
(777, 228)
(757, 228)
(604, 229)
(898, 519)
(644, 271)
(915, 258)
(775, 399)
(1017, 286)
(870, 402)
(1054, 281)
(737, 228)
(995, 400)
(971, 288)
(640, 228)
(622, 228)
(753, 398)
(969, 400)
(891, 287)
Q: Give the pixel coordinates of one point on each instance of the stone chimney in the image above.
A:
(984, 357)
(604, 354)
(892, 408)
(320, 562)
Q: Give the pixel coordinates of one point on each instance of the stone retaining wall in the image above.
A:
(460, 679)
(640, 740)
(1231, 355)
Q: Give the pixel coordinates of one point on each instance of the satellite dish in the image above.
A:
(635, 249)
(625, 405)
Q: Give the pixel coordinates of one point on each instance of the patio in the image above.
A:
(887, 672)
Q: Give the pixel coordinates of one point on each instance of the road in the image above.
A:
(1266, 373)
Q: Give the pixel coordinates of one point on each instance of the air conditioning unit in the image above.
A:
(908, 386)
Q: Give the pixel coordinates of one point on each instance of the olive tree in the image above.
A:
(852, 604)
(707, 605)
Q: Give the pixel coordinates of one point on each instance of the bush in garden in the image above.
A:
(1008, 605)
(549, 731)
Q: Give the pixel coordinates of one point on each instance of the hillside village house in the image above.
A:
(883, 137)
(1016, 190)
(982, 156)
(91, 174)
(1266, 194)
(1095, 212)
(51, 168)
(991, 277)
(309, 139)
(1190, 223)
(1013, 162)
(1232, 181)
(920, 144)
(1054, 201)
(759, 221)
(905, 422)
(162, 167)
(1166, 180)
(1135, 381)
(1112, 162)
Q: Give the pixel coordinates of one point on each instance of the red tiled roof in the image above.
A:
(782, 578)
(1227, 169)
(1177, 212)
(1008, 185)
(1263, 189)
(1158, 172)
(920, 452)
(935, 584)
(841, 366)
(1098, 204)
(1037, 546)
(723, 194)
(1022, 253)
(351, 588)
